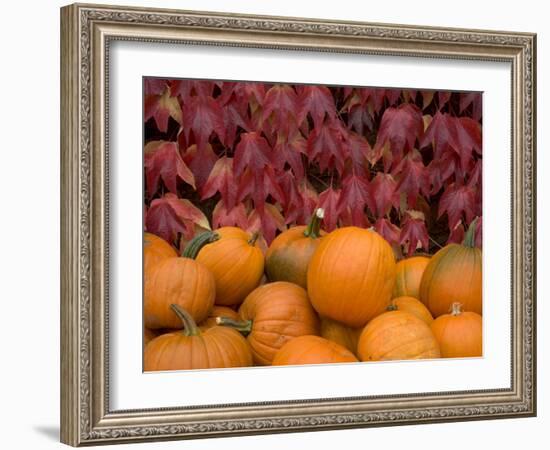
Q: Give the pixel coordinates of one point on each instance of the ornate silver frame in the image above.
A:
(86, 31)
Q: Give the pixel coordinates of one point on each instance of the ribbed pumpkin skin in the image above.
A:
(397, 335)
(217, 347)
(341, 334)
(460, 335)
(351, 276)
(155, 249)
(218, 311)
(148, 335)
(312, 350)
(237, 266)
(453, 275)
(409, 275)
(413, 306)
(279, 312)
(182, 281)
(288, 256)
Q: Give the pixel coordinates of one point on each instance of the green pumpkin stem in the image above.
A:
(244, 326)
(190, 328)
(313, 229)
(254, 238)
(469, 238)
(194, 246)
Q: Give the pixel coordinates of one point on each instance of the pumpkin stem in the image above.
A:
(314, 227)
(254, 238)
(469, 238)
(190, 328)
(244, 326)
(456, 308)
(194, 246)
(392, 306)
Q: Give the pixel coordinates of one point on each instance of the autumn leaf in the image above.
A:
(163, 161)
(266, 222)
(154, 86)
(329, 201)
(294, 202)
(412, 176)
(326, 146)
(229, 217)
(383, 194)
(414, 234)
(457, 200)
(192, 88)
(202, 116)
(259, 185)
(310, 199)
(317, 101)
(474, 99)
(360, 153)
(389, 231)
(281, 103)
(289, 151)
(222, 180)
(252, 152)
(355, 195)
(200, 162)
(161, 107)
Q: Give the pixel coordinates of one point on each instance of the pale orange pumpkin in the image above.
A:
(397, 335)
(459, 333)
(412, 305)
(181, 281)
(454, 275)
(273, 314)
(312, 350)
(341, 334)
(217, 347)
(288, 256)
(155, 249)
(409, 275)
(237, 263)
(351, 276)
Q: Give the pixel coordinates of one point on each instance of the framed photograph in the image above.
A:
(279, 224)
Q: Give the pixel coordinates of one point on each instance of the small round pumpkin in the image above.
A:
(217, 347)
(341, 334)
(271, 315)
(237, 263)
(288, 256)
(218, 311)
(155, 249)
(312, 350)
(397, 335)
(412, 305)
(182, 281)
(454, 275)
(409, 275)
(459, 333)
(351, 276)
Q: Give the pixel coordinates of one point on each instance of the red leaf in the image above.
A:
(234, 117)
(414, 234)
(259, 185)
(294, 202)
(281, 102)
(317, 101)
(387, 230)
(360, 153)
(310, 201)
(355, 196)
(442, 169)
(203, 116)
(456, 201)
(326, 146)
(200, 162)
(223, 217)
(329, 201)
(252, 152)
(290, 151)
(154, 86)
(383, 194)
(266, 222)
(412, 177)
(457, 234)
(222, 180)
(170, 215)
(162, 160)
(443, 97)
(161, 107)
(189, 88)
(471, 98)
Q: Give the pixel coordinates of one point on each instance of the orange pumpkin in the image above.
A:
(459, 333)
(288, 256)
(454, 275)
(155, 249)
(237, 263)
(182, 281)
(273, 314)
(413, 306)
(312, 350)
(341, 334)
(148, 336)
(351, 276)
(397, 335)
(218, 311)
(409, 275)
(217, 347)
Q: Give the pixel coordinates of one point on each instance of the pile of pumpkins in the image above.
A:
(310, 298)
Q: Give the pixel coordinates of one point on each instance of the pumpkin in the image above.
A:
(409, 273)
(413, 306)
(181, 281)
(351, 276)
(454, 275)
(341, 334)
(288, 256)
(271, 315)
(218, 311)
(155, 249)
(148, 336)
(237, 263)
(190, 348)
(397, 335)
(459, 333)
(312, 350)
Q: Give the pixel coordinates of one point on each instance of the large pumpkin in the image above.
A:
(181, 281)
(273, 314)
(341, 334)
(351, 276)
(413, 306)
(217, 347)
(454, 275)
(288, 256)
(397, 335)
(155, 249)
(312, 350)
(459, 333)
(409, 275)
(237, 263)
